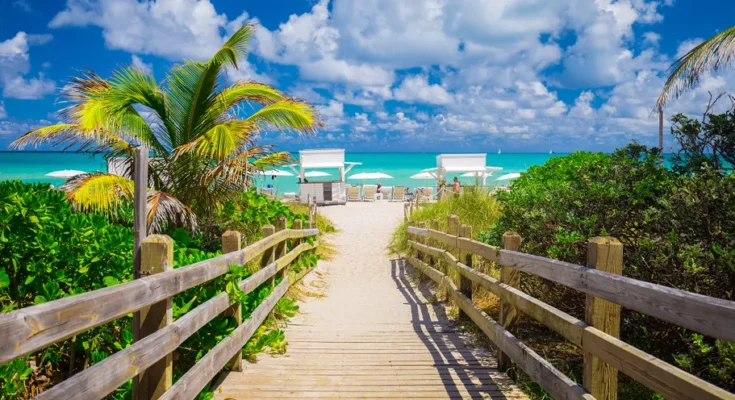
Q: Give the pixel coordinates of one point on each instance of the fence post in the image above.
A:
(421, 256)
(267, 257)
(600, 378)
(232, 241)
(465, 257)
(280, 249)
(453, 229)
(156, 256)
(511, 277)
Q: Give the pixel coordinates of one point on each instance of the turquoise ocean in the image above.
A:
(33, 167)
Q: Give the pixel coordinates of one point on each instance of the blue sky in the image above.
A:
(387, 75)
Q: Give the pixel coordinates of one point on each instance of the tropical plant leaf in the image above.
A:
(235, 48)
(287, 115)
(98, 192)
(165, 210)
(712, 54)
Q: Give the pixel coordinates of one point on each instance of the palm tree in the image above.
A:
(204, 151)
(712, 54)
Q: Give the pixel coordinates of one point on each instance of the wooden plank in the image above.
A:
(465, 285)
(543, 373)
(109, 374)
(33, 328)
(657, 375)
(483, 250)
(444, 238)
(708, 315)
(569, 327)
(189, 386)
(418, 231)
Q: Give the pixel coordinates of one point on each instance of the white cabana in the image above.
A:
(325, 192)
(472, 164)
(274, 172)
(316, 174)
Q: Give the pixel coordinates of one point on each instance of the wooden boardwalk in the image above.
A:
(374, 337)
(424, 358)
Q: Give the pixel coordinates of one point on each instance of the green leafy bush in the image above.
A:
(49, 251)
(678, 231)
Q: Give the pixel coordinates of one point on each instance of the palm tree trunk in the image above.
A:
(661, 132)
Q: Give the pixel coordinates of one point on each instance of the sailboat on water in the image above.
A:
(551, 151)
(499, 151)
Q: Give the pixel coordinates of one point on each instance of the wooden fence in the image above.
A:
(604, 353)
(148, 361)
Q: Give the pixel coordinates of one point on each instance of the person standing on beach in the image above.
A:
(456, 185)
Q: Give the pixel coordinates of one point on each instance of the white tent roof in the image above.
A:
(326, 158)
(462, 163)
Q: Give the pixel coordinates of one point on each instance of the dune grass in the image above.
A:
(476, 208)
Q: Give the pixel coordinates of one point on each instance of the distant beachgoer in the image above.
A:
(379, 186)
(299, 180)
(456, 185)
(269, 186)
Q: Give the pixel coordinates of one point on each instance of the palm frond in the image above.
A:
(221, 142)
(165, 210)
(98, 192)
(254, 92)
(235, 47)
(191, 93)
(287, 115)
(96, 140)
(712, 54)
(271, 161)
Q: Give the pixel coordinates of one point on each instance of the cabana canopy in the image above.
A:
(451, 163)
(323, 158)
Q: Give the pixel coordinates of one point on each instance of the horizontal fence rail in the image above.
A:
(27, 330)
(711, 316)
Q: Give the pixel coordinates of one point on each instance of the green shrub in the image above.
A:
(678, 231)
(49, 251)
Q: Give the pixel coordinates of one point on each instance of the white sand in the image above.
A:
(360, 288)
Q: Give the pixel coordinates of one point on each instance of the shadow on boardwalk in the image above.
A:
(460, 371)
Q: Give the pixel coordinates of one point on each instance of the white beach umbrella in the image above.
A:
(274, 172)
(370, 175)
(314, 174)
(508, 177)
(423, 175)
(65, 173)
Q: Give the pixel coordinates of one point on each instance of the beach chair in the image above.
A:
(385, 191)
(426, 194)
(399, 194)
(353, 193)
(368, 192)
(268, 192)
(289, 197)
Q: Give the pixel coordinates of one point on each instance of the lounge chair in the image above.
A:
(353, 193)
(385, 191)
(399, 194)
(426, 194)
(289, 197)
(268, 192)
(368, 192)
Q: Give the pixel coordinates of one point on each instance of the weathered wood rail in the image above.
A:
(597, 336)
(148, 361)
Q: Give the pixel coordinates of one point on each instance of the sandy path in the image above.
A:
(372, 334)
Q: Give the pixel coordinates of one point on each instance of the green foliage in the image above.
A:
(251, 211)
(474, 207)
(709, 143)
(678, 230)
(49, 251)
